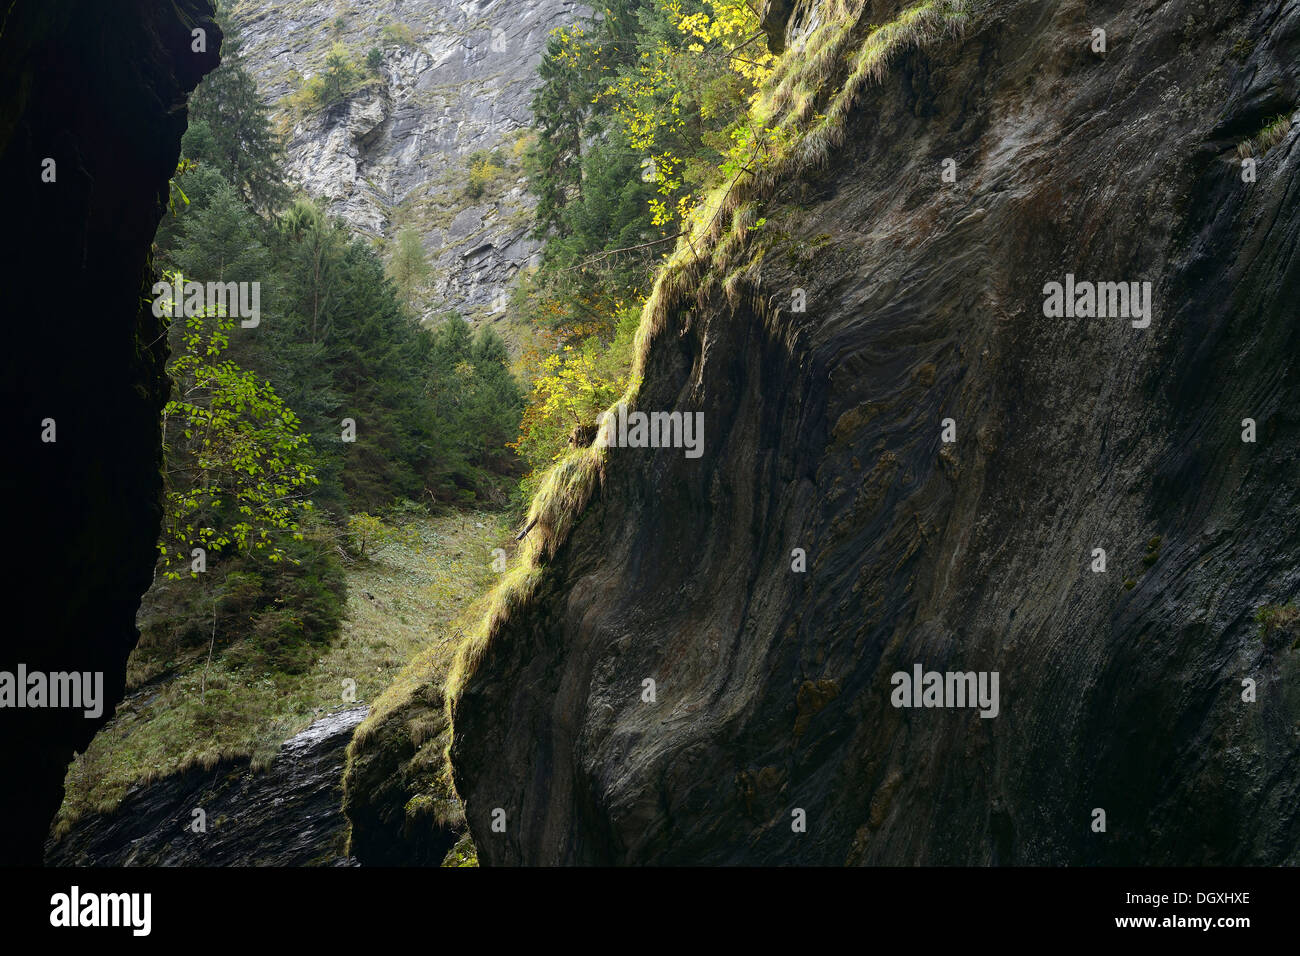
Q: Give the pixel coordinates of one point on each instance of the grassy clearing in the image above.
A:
(431, 656)
(402, 745)
(400, 603)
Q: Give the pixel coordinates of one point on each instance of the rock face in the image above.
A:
(400, 150)
(287, 815)
(396, 791)
(1120, 690)
(100, 90)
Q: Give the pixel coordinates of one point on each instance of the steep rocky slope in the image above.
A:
(285, 815)
(101, 91)
(457, 82)
(1120, 690)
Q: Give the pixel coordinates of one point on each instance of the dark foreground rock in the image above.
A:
(286, 815)
(100, 90)
(1119, 691)
(397, 790)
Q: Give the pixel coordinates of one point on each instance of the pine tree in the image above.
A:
(230, 128)
(409, 266)
(339, 74)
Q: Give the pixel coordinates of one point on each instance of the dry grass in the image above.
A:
(1274, 132)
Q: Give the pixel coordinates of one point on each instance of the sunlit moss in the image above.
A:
(803, 111)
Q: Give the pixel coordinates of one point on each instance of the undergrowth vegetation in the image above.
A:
(636, 115)
(185, 710)
(1272, 133)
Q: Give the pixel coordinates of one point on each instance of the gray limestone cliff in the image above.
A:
(453, 89)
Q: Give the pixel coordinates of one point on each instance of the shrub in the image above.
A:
(340, 76)
(403, 511)
(1278, 620)
(368, 534)
(250, 611)
(484, 169)
(399, 34)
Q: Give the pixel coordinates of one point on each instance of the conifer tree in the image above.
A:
(230, 129)
(409, 266)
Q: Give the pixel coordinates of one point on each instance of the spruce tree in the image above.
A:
(230, 128)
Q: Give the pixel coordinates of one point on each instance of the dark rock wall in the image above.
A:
(396, 793)
(1119, 691)
(100, 88)
(287, 814)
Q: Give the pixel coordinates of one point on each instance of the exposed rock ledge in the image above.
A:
(287, 815)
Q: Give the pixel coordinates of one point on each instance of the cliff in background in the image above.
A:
(399, 150)
(1120, 690)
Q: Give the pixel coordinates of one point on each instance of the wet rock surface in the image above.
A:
(1120, 690)
(286, 815)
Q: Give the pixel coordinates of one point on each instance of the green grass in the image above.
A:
(399, 34)
(418, 590)
(1274, 132)
(1274, 618)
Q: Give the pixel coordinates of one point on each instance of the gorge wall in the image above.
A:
(1120, 690)
(100, 90)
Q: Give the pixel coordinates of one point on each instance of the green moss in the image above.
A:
(720, 253)
(464, 853)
